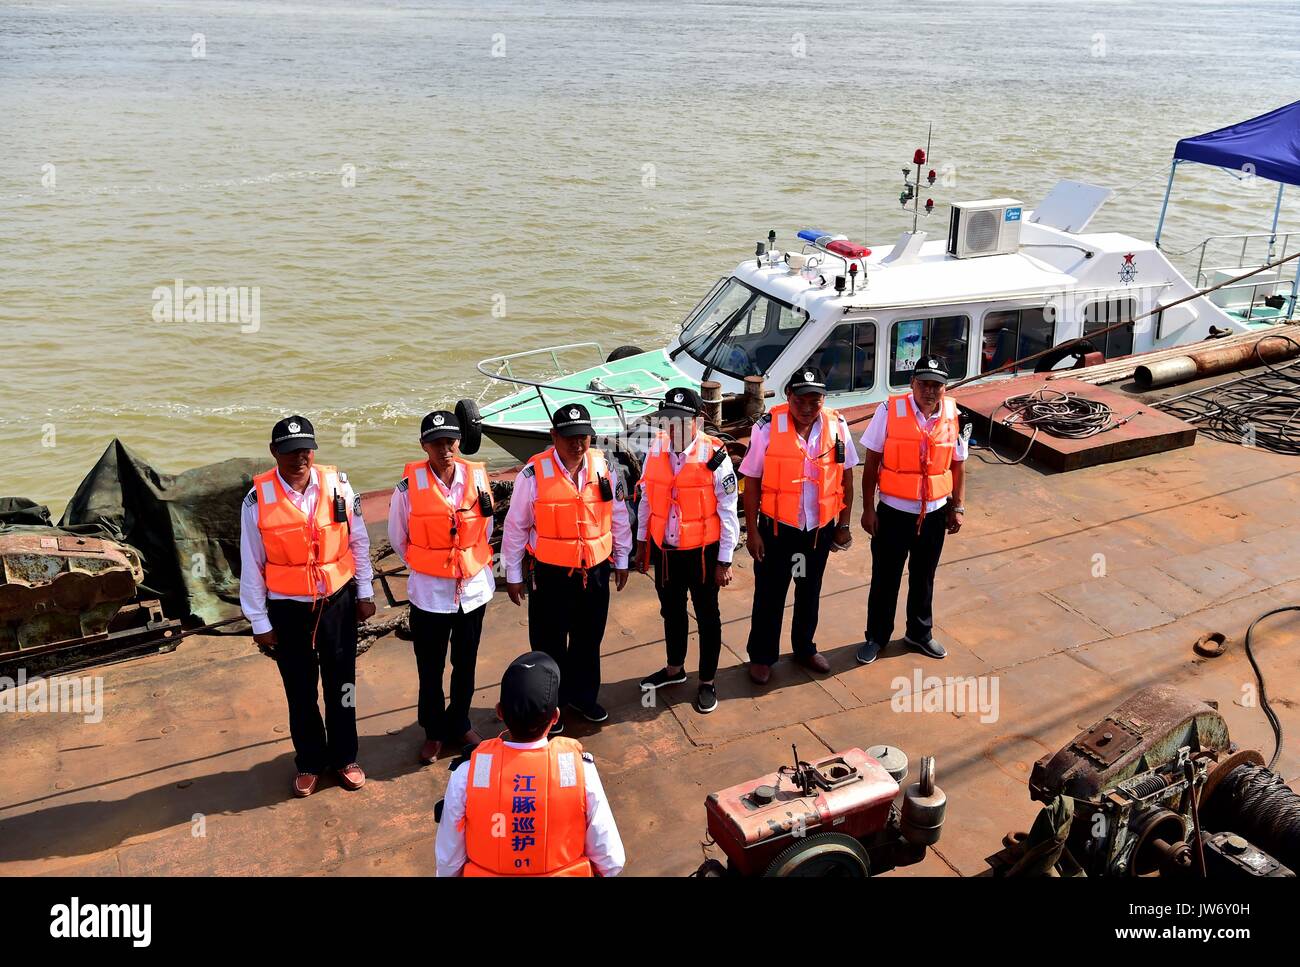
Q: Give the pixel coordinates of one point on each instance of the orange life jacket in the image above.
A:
(575, 529)
(918, 465)
(447, 541)
(526, 810)
(783, 469)
(690, 491)
(302, 553)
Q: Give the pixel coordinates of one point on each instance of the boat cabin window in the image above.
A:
(740, 331)
(1099, 315)
(847, 358)
(946, 336)
(1011, 334)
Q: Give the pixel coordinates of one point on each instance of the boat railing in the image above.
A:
(504, 372)
(502, 369)
(1237, 252)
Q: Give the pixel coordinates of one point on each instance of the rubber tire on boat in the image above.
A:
(622, 352)
(471, 426)
(823, 854)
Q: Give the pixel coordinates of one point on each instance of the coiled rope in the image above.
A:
(1056, 412)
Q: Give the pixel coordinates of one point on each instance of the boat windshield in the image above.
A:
(739, 330)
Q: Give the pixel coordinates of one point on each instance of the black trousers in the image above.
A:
(682, 573)
(566, 619)
(788, 552)
(332, 744)
(430, 634)
(897, 543)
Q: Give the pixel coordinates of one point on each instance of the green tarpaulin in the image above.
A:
(185, 526)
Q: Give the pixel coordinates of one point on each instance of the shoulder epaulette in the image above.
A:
(251, 499)
(588, 757)
(343, 477)
(764, 420)
(527, 471)
(403, 484)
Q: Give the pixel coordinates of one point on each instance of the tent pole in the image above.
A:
(1165, 205)
(1277, 210)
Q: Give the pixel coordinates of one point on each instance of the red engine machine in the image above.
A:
(835, 816)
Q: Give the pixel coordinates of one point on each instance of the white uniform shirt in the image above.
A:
(429, 592)
(755, 457)
(519, 531)
(604, 847)
(724, 488)
(252, 553)
(874, 439)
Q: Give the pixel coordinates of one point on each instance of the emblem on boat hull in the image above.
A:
(1128, 270)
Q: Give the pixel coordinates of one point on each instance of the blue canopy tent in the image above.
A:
(1267, 146)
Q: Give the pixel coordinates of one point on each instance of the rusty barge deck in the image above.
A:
(1073, 590)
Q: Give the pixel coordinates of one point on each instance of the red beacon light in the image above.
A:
(930, 176)
(919, 157)
(929, 205)
(847, 249)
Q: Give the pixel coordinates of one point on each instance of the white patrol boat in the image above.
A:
(1007, 282)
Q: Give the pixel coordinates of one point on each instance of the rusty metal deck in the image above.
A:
(1072, 590)
(1147, 431)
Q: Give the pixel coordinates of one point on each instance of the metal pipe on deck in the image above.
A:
(1212, 361)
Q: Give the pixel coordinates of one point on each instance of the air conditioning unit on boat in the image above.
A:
(989, 227)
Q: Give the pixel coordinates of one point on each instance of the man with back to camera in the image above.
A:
(523, 804)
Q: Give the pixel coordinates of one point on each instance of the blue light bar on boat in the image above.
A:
(811, 235)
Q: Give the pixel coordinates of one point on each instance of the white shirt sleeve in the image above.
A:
(359, 544)
(725, 489)
(252, 577)
(399, 511)
(622, 524)
(752, 465)
(449, 845)
(604, 846)
(518, 525)
(873, 438)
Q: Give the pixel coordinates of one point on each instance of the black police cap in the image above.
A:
(439, 425)
(293, 433)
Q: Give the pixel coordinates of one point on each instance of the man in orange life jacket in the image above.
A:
(568, 510)
(440, 523)
(916, 454)
(521, 805)
(798, 499)
(687, 526)
(304, 584)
